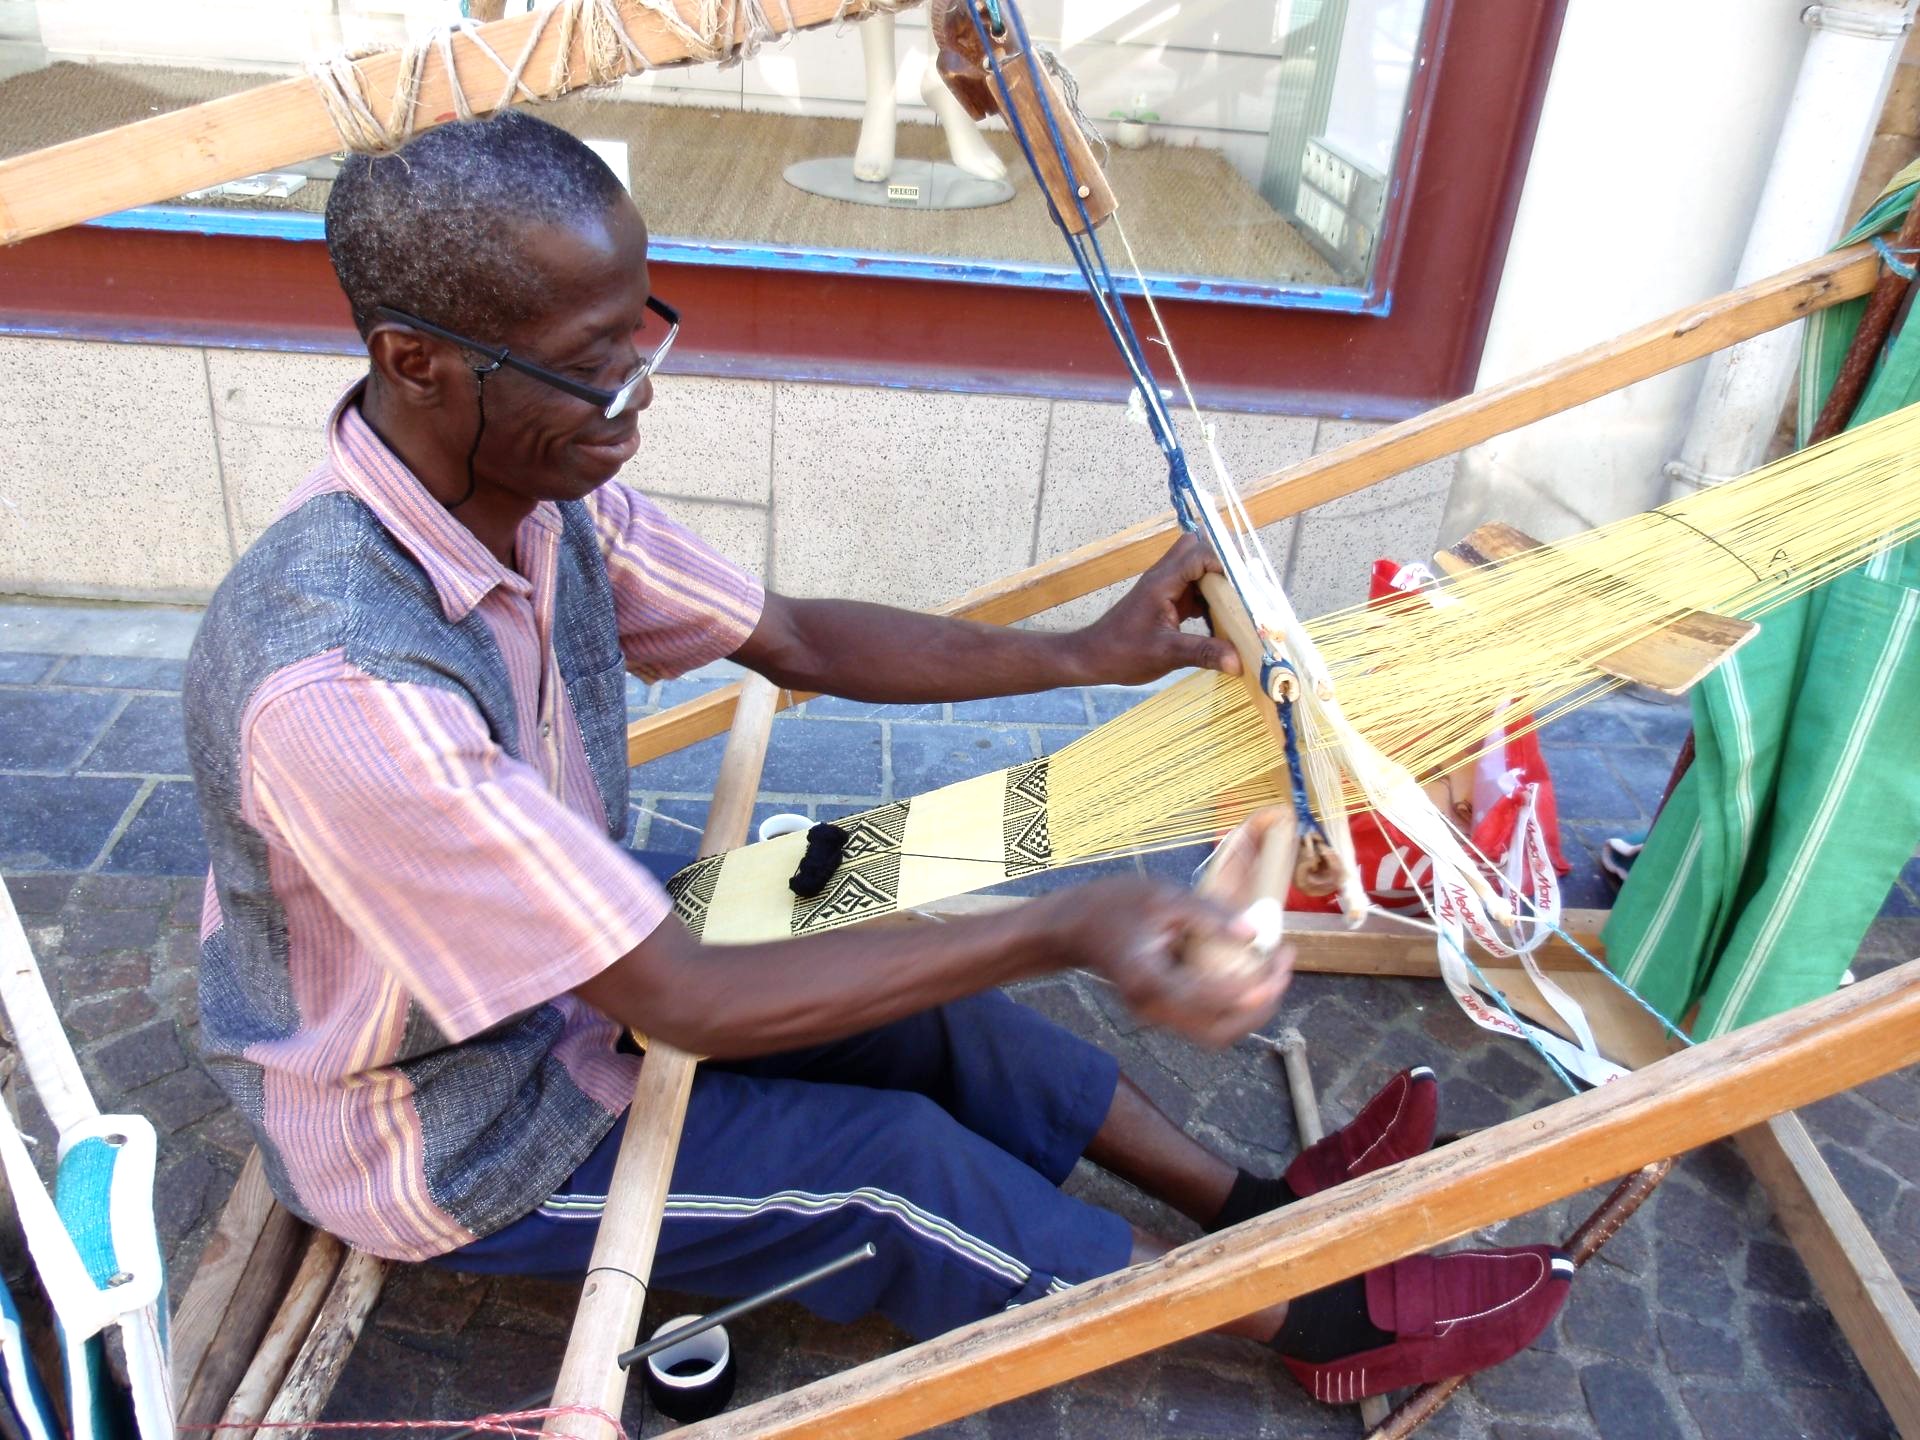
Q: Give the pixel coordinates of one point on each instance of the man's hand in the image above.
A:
(1136, 933)
(1140, 638)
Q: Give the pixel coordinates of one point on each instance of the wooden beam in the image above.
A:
(277, 125)
(1672, 660)
(243, 1273)
(608, 1318)
(1652, 349)
(285, 1338)
(1867, 1299)
(1676, 1104)
(1325, 945)
(327, 1347)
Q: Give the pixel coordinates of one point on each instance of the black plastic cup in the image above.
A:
(694, 1379)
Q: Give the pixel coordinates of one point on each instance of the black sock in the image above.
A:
(1249, 1197)
(1330, 1324)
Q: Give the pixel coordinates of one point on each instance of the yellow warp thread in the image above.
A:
(1426, 677)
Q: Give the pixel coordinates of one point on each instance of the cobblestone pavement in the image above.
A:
(1698, 1320)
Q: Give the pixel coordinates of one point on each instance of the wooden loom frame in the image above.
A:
(228, 1322)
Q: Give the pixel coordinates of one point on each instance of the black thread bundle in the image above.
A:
(825, 845)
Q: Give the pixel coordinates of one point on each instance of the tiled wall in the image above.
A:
(141, 471)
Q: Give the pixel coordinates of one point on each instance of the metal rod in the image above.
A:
(540, 1398)
(741, 1307)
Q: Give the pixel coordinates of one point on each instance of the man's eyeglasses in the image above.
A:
(610, 403)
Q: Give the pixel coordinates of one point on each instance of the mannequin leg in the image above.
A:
(873, 158)
(965, 144)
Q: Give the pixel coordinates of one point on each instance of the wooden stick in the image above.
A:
(327, 1347)
(243, 1273)
(1655, 347)
(281, 124)
(1324, 945)
(616, 1288)
(1674, 1105)
(1864, 350)
(284, 1338)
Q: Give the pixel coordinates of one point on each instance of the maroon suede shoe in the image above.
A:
(1394, 1125)
(1448, 1315)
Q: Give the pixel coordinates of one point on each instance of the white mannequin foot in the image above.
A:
(966, 146)
(873, 157)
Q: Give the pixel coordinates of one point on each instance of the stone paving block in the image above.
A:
(35, 895)
(688, 771)
(1626, 1404)
(1645, 771)
(1662, 723)
(1872, 1190)
(117, 672)
(1532, 1383)
(1585, 784)
(1107, 701)
(95, 1019)
(164, 837)
(51, 729)
(1054, 738)
(1686, 1280)
(143, 1056)
(94, 931)
(24, 668)
(1903, 900)
(835, 707)
(183, 1191)
(54, 823)
(1777, 1270)
(176, 1101)
(1045, 707)
(100, 974)
(1693, 1348)
(665, 838)
(926, 757)
(1820, 1413)
(1735, 1412)
(1534, 1432)
(1609, 1315)
(1603, 722)
(146, 738)
(1793, 1340)
(819, 757)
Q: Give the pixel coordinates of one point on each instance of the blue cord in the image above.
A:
(1891, 257)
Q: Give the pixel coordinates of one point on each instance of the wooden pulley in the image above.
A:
(963, 65)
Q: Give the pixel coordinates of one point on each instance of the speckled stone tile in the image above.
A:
(710, 439)
(906, 497)
(270, 413)
(738, 532)
(1338, 542)
(111, 479)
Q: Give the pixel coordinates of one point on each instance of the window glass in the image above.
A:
(1251, 145)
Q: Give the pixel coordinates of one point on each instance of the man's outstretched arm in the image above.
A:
(874, 652)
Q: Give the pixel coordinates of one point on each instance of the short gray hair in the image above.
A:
(435, 229)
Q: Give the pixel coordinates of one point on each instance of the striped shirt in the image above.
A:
(412, 775)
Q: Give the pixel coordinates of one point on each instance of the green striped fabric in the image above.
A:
(1777, 851)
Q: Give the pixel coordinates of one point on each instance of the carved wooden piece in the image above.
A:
(1671, 660)
(962, 63)
(1655, 347)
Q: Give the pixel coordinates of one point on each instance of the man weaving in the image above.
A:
(423, 942)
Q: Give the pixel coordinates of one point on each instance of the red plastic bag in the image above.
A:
(1483, 798)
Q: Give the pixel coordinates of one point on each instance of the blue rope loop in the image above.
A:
(1891, 258)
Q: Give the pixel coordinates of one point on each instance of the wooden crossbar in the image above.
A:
(276, 125)
(1657, 346)
(1676, 1104)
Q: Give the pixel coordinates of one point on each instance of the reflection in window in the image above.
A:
(1251, 142)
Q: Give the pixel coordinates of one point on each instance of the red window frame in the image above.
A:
(1456, 184)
